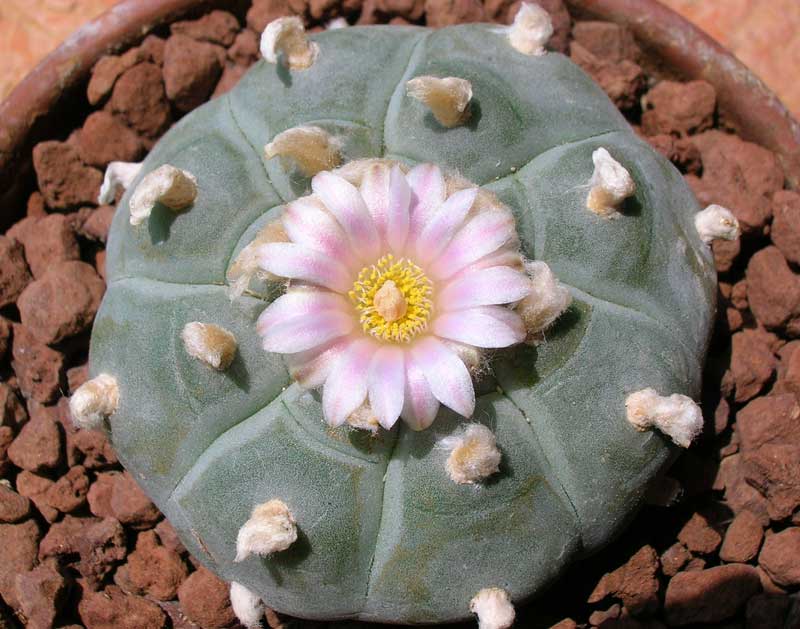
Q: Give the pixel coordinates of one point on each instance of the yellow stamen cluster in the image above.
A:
(409, 283)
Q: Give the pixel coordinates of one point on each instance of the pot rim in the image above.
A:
(26, 115)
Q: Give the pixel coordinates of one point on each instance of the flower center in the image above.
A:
(393, 299)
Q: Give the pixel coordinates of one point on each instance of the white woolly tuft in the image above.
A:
(474, 455)
(611, 184)
(448, 98)
(118, 174)
(171, 187)
(286, 37)
(337, 23)
(270, 529)
(546, 302)
(209, 343)
(531, 30)
(247, 606)
(364, 418)
(312, 148)
(677, 416)
(94, 401)
(245, 266)
(716, 222)
(493, 608)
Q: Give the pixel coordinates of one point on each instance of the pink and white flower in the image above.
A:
(396, 286)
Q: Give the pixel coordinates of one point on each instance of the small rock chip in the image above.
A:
(62, 303)
(113, 609)
(105, 74)
(49, 241)
(622, 82)
(742, 539)
(102, 545)
(752, 363)
(38, 447)
(607, 40)
(244, 51)
(35, 487)
(262, 12)
(779, 556)
(14, 274)
(206, 600)
(68, 492)
(13, 507)
(680, 151)
(99, 495)
(5, 338)
(63, 537)
(17, 555)
(130, 505)
(191, 70)
(63, 179)
(785, 232)
(739, 494)
(706, 596)
(217, 27)
(725, 253)
(97, 223)
(440, 13)
(152, 49)
(139, 101)
(12, 412)
(95, 449)
(698, 535)
(774, 472)
(169, 537)
(674, 558)
(634, 583)
(679, 108)
(6, 438)
(771, 419)
(104, 139)
(773, 291)
(230, 77)
(41, 593)
(153, 569)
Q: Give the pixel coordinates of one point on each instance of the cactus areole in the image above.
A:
(375, 348)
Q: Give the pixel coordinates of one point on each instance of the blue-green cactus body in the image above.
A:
(384, 534)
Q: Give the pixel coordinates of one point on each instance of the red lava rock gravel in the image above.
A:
(82, 546)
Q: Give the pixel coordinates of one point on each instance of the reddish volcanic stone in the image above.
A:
(130, 505)
(38, 445)
(779, 557)
(105, 139)
(674, 558)
(244, 51)
(38, 367)
(139, 100)
(113, 609)
(101, 546)
(606, 40)
(752, 363)
(69, 492)
(64, 180)
(41, 593)
(17, 555)
(773, 470)
(769, 419)
(785, 232)
(205, 600)
(64, 537)
(634, 583)
(706, 596)
(262, 12)
(48, 241)
(773, 291)
(217, 27)
(153, 569)
(623, 81)
(13, 507)
(698, 535)
(14, 274)
(99, 495)
(191, 70)
(679, 108)
(742, 539)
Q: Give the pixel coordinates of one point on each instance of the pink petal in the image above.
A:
(300, 303)
(420, 406)
(484, 287)
(346, 387)
(397, 218)
(375, 192)
(287, 259)
(307, 223)
(387, 385)
(505, 256)
(485, 326)
(312, 367)
(447, 376)
(482, 235)
(427, 194)
(346, 204)
(302, 333)
(439, 230)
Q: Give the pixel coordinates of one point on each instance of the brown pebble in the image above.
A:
(191, 70)
(48, 242)
(99, 496)
(68, 493)
(607, 40)
(5, 339)
(130, 505)
(769, 419)
(679, 108)
(622, 82)
(773, 291)
(153, 569)
(634, 583)
(35, 487)
(102, 545)
(105, 139)
(140, 102)
(13, 507)
(113, 609)
(36, 206)
(38, 447)
(205, 600)
(152, 49)
(441, 13)
(41, 593)
(96, 451)
(12, 412)
(742, 539)
(64, 180)
(779, 556)
(739, 494)
(674, 558)
(17, 555)
(169, 537)
(14, 273)
(97, 223)
(680, 151)
(774, 472)
(244, 51)
(106, 72)
(785, 232)
(63, 537)
(262, 12)
(699, 536)
(725, 253)
(752, 363)
(217, 27)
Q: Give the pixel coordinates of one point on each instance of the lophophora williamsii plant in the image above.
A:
(402, 325)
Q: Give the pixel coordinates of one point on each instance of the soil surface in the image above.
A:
(83, 546)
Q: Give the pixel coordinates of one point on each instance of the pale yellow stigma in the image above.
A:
(393, 298)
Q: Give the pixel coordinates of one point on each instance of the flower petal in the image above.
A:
(485, 326)
(302, 333)
(312, 367)
(447, 376)
(427, 194)
(307, 223)
(375, 192)
(439, 230)
(397, 218)
(346, 204)
(287, 259)
(387, 385)
(299, 303)
(482, 235)
(419, 406)
(484, 287)
(346, 387)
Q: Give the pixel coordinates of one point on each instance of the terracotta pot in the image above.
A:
(43, 105)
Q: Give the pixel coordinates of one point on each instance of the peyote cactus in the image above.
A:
(495, 258)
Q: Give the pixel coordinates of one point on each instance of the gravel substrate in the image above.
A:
(81, 545)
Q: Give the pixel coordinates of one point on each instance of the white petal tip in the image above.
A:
(493, 608)
(209, 343)
(312, 148)
(717, 222)
(270, 529)
(246, 605)
(171, 187)
(448, 98)
(285, 40)
(531, 30)
(546, 302)
(677, 416)
(117, 175)
(474, 455)
(95, 400)
(611, 184)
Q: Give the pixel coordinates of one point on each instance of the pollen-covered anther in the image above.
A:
(117, 175)
(312, 148)
(474, 455)
(247, 606)
(531, 29)
(245, 266)
(270, 529)
(448, 98)
(171, 187)
(363, 418)
(93, 401)
(677, 416)
(611, 184)
(493, 608)
(717, 222)
(209, 343)
(285, 40)
(547, 300)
